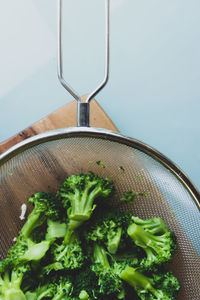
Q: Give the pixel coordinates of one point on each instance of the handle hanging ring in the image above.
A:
(83, 108)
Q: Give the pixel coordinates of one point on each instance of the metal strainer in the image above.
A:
(44, 161)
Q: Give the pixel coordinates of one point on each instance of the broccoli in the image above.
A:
(79, 194)
(25, 250)
(153, 225)
(163, 286)
(55, 289)
(69, 249)
(55, 266)
(108, 280)
(84, 295)
(110, 229)
(159, 249)
(42, 292)
(55, 230)
(85, 280)
(64, 288)
(69, 256)
(46, 206)
(11, 281)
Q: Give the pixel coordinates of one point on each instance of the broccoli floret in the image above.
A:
(11, 281)
(110, 229)
(158, 287)
(46, 270)
(46, 206)
(159, 249)
(70, 255)
(108, 280)
(153, 225)
(64, 289)
(79, 194)
(47, 290)
(25, 250)
(85, 280)
(55, 288)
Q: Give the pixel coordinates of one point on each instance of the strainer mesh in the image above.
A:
(45, 166)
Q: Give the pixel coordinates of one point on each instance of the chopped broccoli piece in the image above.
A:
(54, 288)
(46, 206)
(108, 280)
(85, 280)
(130, 195)
(158, 287)
(159, 249)
(26, 250)
(79, 194)
(11, 281)
(153, 225)
(55, 266)
(42, 292)
(122, 168)
(110, 229)
(64, 289)
(70, 255)
(101, 164)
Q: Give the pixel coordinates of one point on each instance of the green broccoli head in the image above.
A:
(159, 249)
(46, 206)
(85, 280)
(79, 194)
(153, 225)
(64, 289)
(25, 250)
(110, 229)
(11, 280)
(108, 280)
(44, 291)
(157, 287)
(70, 256)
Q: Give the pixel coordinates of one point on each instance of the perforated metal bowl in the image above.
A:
(44, 161)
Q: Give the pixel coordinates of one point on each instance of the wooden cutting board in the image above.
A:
(63, 117)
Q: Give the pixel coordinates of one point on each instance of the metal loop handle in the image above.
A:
(83, 108)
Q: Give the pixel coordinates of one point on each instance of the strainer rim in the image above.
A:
(109, 135)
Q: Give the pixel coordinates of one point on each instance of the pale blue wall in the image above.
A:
(154, 88)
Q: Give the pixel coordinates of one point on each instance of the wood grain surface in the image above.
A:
(63, 117)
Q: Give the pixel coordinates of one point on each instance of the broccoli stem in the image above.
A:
(35, 251)
(100, 256)
(59, 297)
(55, 230)
(14, 294)
(31, 223)
(113, 242)
(43, 295)
(135, 278)
(64, 291)
(71, 227)
(140, 283)
(153, 225)
(141, 237)
(82, 205)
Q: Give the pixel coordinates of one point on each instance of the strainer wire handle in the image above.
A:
(83, 108)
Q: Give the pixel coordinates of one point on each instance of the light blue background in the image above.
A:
(154, 88)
